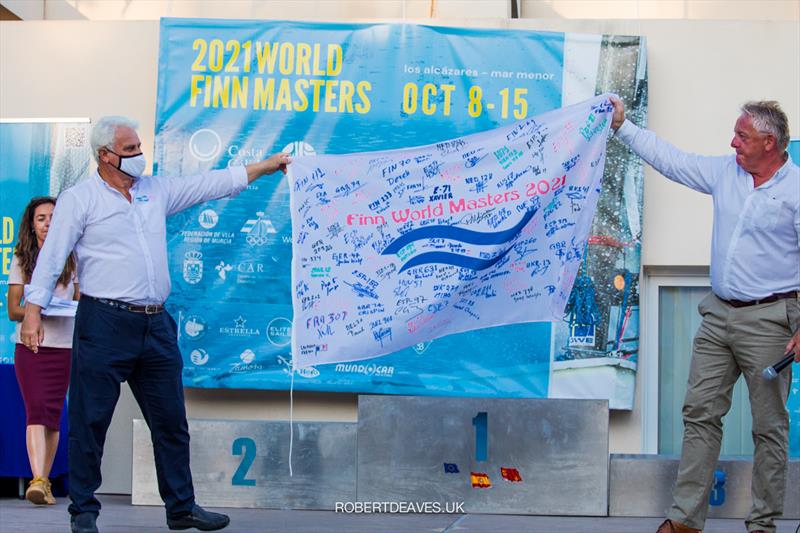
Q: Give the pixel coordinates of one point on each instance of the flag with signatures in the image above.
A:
(399, 247)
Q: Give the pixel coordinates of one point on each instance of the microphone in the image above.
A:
(771, 372)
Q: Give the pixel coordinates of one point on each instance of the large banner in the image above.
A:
(37, 158)
(401, 247)
(793, 404)
(233, 92)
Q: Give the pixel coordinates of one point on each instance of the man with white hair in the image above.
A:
(752, 316)
(116, 223)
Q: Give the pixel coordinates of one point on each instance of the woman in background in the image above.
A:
(43, 377)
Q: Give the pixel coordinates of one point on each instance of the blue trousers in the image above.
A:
(111, 345)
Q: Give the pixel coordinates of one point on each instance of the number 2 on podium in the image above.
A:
(247, 447)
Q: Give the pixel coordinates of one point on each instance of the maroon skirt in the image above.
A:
(43, 379)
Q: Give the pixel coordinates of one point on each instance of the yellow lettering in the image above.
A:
(264, 94)
(198, 61)
(428, 92)
(240, 86)
(330, 95)
(8, 238)
(410, 92)
(303, 59)
(266, 55)
(446, 104)
(346, 96)
(334, 59)
(247, 51)
(195, 89)
(222, 86)
(317, 70)
(232, 46)
(8, 230)
(284, 96)
(286, 64)
(300, 87)
(7, 255)
(216, 54)
(317, 85)
(207, 93)
(362, 89)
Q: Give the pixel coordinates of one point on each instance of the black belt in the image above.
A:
(150, 309)
(768, 300)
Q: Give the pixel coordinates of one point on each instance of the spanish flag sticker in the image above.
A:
(480, 480)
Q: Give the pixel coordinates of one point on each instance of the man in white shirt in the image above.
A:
(752, 316)
(116, 223)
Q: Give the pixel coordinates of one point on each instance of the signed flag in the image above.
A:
(395, 248)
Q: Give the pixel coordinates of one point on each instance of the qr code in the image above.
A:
(75, 137)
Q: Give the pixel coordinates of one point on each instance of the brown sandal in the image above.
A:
(49, 499)
(669, 526)
(36, 493)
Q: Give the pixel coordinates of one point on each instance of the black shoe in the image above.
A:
(83, 523)
(201, 519)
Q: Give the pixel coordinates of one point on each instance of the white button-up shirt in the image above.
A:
(755, 244)
(121, 246)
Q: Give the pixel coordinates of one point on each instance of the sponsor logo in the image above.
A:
(244, 155)
(248, 267)
(249, 272)
(239, 329)
(222, 270)
(247, 365)
(208, 218)
(279, 331)
(366, 370)
(205, 144)
(202, 236)
(193, 267)
(247, 356)
(240, 368)
(194, 327)
(308, 372)
(422, 347)
(258, 230)
(299, 148)
(199, 356)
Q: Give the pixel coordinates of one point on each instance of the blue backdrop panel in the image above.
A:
(36, 159)
(25, 161)
(233, 92)
(793, 403)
